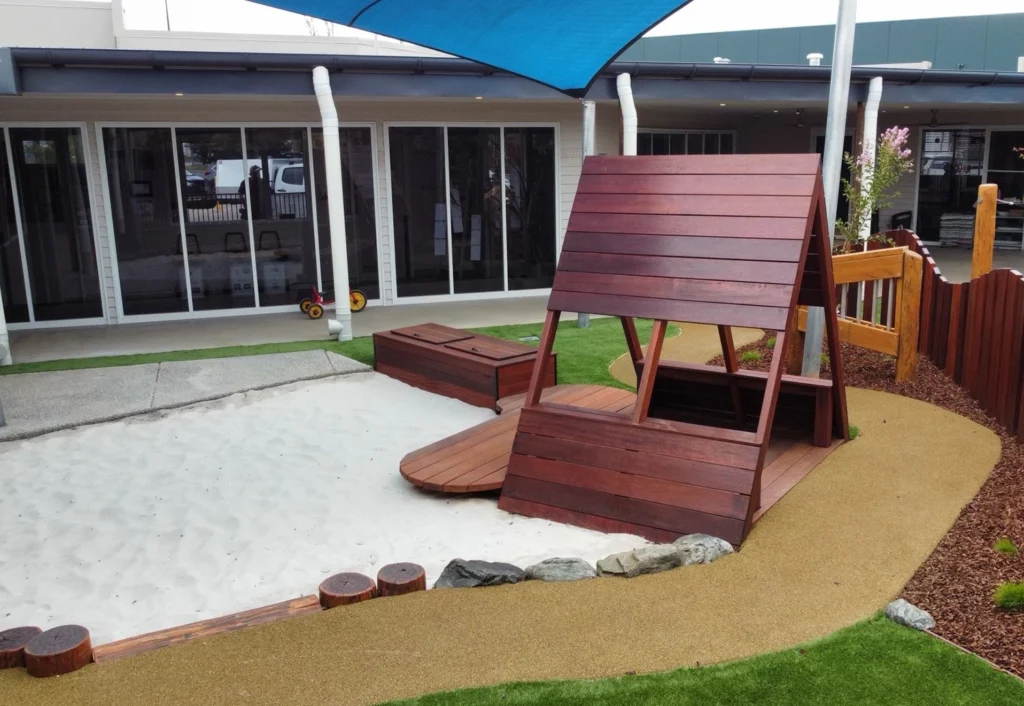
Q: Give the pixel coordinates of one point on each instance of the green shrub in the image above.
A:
(770, 342)
(1010, 596)
(824, 359)
(1005, 545)
(750, 356)
(854, 432)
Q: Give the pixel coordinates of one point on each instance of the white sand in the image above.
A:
(169, 518)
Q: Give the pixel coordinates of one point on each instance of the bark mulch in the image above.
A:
(957, 581)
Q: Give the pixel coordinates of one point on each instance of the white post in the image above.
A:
(5, 343)
(589, 148)
(870, 146)
(832, 161)
(628, 107)
(342, 324)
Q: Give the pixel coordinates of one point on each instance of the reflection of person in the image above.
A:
(255, 192)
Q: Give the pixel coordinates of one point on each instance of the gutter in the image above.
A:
(450, 66)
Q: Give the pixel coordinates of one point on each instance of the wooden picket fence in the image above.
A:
(879, 296)
(974, 331)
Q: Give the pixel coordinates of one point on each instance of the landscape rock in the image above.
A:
(701, 548)
(466, 574)
(561, 569)
(905, 613)
(645, 560)
(617, 564)
(656, 558)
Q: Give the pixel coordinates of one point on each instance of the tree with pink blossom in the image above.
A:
(870, 187)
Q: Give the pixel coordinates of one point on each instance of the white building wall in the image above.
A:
(565, 115)
(57, 24)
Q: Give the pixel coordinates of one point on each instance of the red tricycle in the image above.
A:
(313, 305)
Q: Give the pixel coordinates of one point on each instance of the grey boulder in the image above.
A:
(905, 613)
(466, 574)
(645, 560)
(560, 569)
(701, 548)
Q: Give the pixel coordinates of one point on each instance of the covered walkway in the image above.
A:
(29, 346)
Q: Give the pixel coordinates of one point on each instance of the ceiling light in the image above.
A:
(905, 107)
(179, 94)
(775, 111)
(479, 98)
(722, 104)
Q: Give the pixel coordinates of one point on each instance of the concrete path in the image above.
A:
(36, 403)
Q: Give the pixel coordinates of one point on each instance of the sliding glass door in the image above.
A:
(474, 208)
(12, 275)
(50, 174)
(227, 218)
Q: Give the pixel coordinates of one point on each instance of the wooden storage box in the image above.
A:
(470, 367)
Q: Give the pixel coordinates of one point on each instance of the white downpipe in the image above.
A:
(629, 122)
(589, 148)
(832, 162)
(870, 138)
(341, 326)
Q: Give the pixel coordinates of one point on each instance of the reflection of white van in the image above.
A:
(231, 172)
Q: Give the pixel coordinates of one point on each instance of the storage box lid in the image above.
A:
(492, 348)
(433, 333)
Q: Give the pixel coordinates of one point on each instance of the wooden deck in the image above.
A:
(475, 460)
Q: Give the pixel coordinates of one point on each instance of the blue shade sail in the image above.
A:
(561, 43)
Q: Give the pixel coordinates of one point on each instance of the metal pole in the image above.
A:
(589, 130)
(832, 161)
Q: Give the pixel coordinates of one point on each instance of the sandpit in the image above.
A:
(174, 517)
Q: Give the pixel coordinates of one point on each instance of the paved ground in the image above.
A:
(36, 403)
(835, 550)
(52, 344)
(955, 263)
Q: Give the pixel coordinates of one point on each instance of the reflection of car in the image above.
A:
(196, 195)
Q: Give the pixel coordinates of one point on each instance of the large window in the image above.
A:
(951, 165)
(12, 276)
(229, 218)
(215, 183)
(281, 214)
(1006, 170)
(144, 213)
(360, 209)
(474, 208)
(56, 219)
(420, 206)
(685, 142)
(530, 217)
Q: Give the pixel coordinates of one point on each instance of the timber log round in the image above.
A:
(398, 579)
(59, 650)
(343, 589)
(12, 646)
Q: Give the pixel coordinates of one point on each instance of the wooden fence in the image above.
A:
(974, 331)
(880, 311)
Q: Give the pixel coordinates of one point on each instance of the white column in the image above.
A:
(5, 340)
(870, 138)
(832, 162)
(589, 148)
(342, 323)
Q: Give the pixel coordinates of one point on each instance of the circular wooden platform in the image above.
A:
(475, 460)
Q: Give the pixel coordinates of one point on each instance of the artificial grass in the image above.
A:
(587, 353)
(875, 662)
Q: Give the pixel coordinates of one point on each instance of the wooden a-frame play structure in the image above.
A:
(730, 240)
